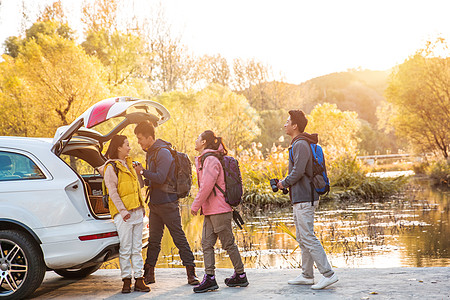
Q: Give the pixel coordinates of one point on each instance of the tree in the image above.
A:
(122, 54)
(229, 115)
(213, 69)
(168, 65)
(100, 15)
(420, 97)
(50, 83)
(53, 12)
(216, 108)
(185, 123)
(337, 129)
(271, 123)
(36, 31)
(248, 73)
(17, 116)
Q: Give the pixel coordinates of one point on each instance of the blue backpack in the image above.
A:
(319, 180)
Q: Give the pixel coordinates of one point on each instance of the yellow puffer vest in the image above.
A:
(127, 187)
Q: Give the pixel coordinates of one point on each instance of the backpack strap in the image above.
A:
(206, 155)
(202, 161)
(313, 159)
(114, 165)
(154, 158)
(104, 188)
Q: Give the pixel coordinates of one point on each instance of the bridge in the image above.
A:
(373, 159)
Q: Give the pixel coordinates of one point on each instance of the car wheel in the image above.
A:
(22, 266)
(77, 273)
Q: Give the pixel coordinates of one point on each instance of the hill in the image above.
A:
(355, 90)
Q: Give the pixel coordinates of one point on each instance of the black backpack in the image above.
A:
(105, 194)
(233, 180)
(182, 183)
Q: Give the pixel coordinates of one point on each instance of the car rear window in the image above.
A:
(15, 166)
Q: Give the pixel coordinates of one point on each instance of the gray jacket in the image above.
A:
(300, 169)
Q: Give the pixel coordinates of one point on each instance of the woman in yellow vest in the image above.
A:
(127, 210)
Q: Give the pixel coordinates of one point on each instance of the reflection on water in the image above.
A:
(409, 231)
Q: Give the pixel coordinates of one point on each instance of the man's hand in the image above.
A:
(138, 168)
(194, 213)
(280, 185)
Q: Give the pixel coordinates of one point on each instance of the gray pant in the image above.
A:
(312, 250)
(219, 226)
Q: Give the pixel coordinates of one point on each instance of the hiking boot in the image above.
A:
(325, 281)
(237, 280)
(139, 285)
(149, 274)
(208, 284)
(300, 279)
(126, 288)
(192, 278)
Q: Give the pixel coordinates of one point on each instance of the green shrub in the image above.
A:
(347, 174)
(346, 171)
(370, 188)
(439, 171)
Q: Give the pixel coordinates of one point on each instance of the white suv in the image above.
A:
(51, 213)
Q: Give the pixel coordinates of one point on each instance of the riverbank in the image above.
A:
(386, 283)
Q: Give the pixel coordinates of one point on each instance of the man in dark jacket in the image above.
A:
(164, 211)
(305, 200)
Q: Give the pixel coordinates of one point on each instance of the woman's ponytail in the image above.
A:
(212, 141)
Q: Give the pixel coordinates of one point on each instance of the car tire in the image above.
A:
(28, 267)
(77, 273)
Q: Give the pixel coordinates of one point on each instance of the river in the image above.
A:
(408, 230)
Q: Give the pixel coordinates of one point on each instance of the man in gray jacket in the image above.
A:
(305, 200)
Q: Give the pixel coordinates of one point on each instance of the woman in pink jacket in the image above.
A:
(218, 213)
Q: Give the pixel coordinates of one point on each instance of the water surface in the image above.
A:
(409, 230)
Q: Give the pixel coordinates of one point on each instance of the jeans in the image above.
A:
(167, 214)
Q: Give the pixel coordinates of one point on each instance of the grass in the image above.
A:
(347, 176)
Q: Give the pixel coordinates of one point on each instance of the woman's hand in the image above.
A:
(194, 213)
(127, 216)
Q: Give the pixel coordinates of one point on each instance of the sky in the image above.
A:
(299, 39)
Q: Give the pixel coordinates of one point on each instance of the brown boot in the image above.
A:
(192, 278)
(149, 274)
(126, 288)
(140, 286)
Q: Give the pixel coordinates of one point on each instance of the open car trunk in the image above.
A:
(81, 143)
(83, 155)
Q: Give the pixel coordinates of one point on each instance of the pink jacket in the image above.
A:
(208, 176)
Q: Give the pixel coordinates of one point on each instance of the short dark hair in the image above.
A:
(146, 129)
(116, 142)
(298, 117)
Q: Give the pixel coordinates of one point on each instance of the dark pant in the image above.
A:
(167, 214)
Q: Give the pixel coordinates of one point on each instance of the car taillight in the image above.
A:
(98, 236)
